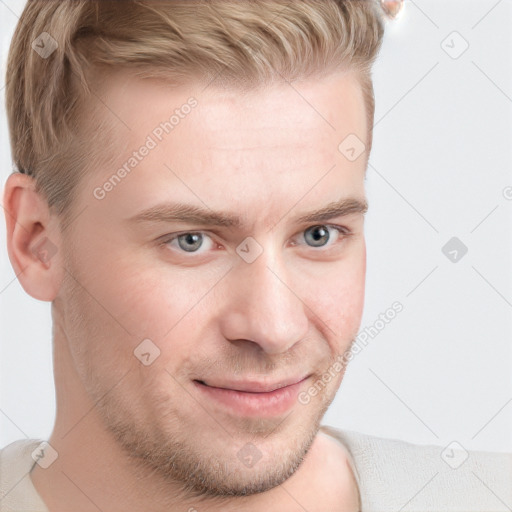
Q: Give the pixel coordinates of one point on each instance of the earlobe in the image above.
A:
(33, 238)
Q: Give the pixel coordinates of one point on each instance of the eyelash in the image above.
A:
(343, 231)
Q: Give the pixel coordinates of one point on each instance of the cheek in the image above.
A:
(157, 302)
(339, 300)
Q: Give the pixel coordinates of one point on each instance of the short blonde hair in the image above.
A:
(237, 43)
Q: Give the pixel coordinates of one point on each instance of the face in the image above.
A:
(161, 310)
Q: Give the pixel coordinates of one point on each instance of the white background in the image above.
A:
(441, 370)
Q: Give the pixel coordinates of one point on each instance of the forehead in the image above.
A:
(208, 141)
(325, 108)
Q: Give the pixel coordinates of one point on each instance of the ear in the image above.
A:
(33, 238)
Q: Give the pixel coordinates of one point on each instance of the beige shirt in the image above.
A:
(392, 475)
(397, 476)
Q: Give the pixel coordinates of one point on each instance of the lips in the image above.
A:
(252, 386)
(254, 399)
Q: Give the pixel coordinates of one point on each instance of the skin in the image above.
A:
(269, 156)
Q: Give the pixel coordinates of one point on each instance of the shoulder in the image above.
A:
(393, 474)
(16, 489)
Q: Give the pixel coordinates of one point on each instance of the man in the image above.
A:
(191, 200)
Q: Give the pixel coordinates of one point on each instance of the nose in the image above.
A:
(263, 307)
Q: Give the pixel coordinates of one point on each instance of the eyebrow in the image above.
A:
(187, 213)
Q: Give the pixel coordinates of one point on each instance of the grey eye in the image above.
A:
(317, 235)
(190, 242)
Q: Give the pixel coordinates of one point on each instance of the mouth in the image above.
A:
(275, 400)
(253, 386)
